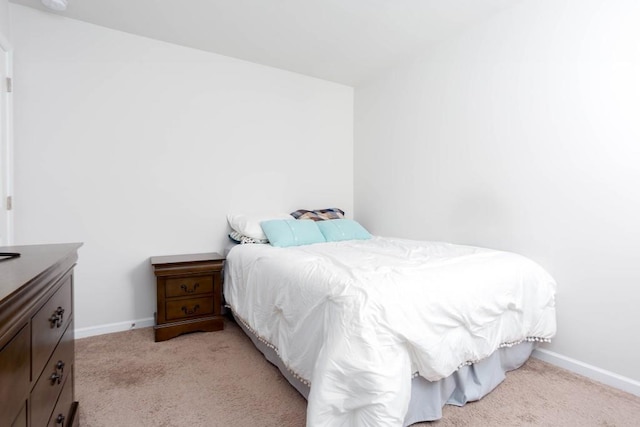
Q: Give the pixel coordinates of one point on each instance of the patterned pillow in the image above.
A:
(318, 214)
(236, 237)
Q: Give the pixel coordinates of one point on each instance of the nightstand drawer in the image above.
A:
(187, 286)
(192, 307)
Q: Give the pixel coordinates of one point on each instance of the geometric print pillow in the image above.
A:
(318, 214)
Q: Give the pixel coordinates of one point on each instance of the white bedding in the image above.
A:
(357, 319)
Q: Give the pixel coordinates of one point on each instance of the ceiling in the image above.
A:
(339, 40)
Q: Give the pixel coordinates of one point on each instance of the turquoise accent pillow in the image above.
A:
(335, 230)
(291, 232)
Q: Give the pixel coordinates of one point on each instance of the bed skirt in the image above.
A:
(467, 384)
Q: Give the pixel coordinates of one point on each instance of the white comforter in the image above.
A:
(358, 318)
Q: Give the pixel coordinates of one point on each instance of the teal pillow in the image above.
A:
(335, 230)
(291, 232)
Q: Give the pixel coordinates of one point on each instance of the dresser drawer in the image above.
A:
(61, 415)
(57, 370)
(187, 286)
(48, 325)
(191, 307)
(21, 421)
(14, 371)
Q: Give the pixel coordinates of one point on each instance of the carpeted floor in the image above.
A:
(220, 379)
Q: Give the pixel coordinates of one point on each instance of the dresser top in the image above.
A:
(32, 262)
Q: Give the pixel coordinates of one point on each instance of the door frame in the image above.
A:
(6, 145)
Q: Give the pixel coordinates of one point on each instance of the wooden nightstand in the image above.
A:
(189, 294)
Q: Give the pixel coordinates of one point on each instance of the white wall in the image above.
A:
(522, 134)
(6, 122)
(139, 148)
(4, 20)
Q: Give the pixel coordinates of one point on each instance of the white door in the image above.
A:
(6, 162)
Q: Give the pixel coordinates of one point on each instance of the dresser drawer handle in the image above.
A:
(56, 377)
(60, 366)
(60, 419)
(192, 290)
(58, 318)
(192, 310)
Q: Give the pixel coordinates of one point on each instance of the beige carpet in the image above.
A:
(220, 379)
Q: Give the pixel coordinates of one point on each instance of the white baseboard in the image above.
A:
(603, 376)
(113, 327)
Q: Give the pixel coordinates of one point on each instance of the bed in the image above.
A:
(386, 331)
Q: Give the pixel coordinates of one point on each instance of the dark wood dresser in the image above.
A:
(189, 294)
(36, 336)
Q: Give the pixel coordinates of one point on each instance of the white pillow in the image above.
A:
(249, 225)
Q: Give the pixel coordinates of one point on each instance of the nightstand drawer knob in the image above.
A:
(190, 290)
(190, 311)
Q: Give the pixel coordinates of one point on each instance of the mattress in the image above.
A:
(358, 321)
